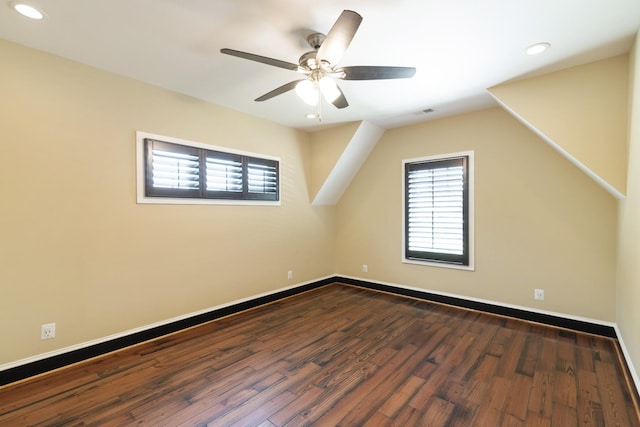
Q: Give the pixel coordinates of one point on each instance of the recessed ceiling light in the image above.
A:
(26, 10)
(537, 48)
(311, 116)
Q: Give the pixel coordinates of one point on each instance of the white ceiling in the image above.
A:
(459, 47)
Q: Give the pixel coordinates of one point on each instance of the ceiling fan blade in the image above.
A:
(339, 37)
(279, 91)
(340, 101)
(375, 73)
(263, 59)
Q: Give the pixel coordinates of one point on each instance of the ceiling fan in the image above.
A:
(319, 65)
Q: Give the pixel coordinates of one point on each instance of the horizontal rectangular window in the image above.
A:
(181, 171)
(437, 214)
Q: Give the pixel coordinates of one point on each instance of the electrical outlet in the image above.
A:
(538, 294)
(365, 268)
(290, 274)
(47, 331)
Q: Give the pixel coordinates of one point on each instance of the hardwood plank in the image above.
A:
(500, 341)
(408, 417)
(256, 401)
(463, 414)
(535, 419)
(517, 403)
(485, 335)
(565, 416)
(541, 397)
(613, 402)
(332, 395)
(565, 389)
(477, 384)
(530, 355)
(350, 405)
(511, 421)
(266, 411)
(584, 354)
(297, 407)
(402, 396)
(589, 407)
(378, 420)
(490, 413)
(511, 356)
(439, 377)
(437, 413)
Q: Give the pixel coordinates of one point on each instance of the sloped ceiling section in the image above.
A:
(338, 154)
(582, 113)
(326, 148)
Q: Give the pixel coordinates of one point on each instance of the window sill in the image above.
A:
(470, 267)
(186, 201)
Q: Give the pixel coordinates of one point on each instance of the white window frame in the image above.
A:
(140, 174)
(471, 214)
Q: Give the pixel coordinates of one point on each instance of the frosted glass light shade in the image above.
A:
(308, 92)
(329, 89)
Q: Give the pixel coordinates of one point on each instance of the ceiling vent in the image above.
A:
(425, 111)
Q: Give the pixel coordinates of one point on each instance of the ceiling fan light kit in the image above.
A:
(308, 92)
(319, 66)
(329, 89)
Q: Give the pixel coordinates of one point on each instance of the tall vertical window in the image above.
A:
(176, 171)
(437, 219)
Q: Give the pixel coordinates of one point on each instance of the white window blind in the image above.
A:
(175, 170)
(436, 210)
(224, 174)
(262, 178)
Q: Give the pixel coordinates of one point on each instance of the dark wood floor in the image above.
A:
(341, 355)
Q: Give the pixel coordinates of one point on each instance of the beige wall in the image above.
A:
(326, 148)
(75, 247)
(628, 285)
(583, 111)
(539, 221)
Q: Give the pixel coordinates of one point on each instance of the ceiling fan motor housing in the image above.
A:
(308, 60)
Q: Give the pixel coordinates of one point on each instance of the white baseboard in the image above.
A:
(627, 357)
(485, 301)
